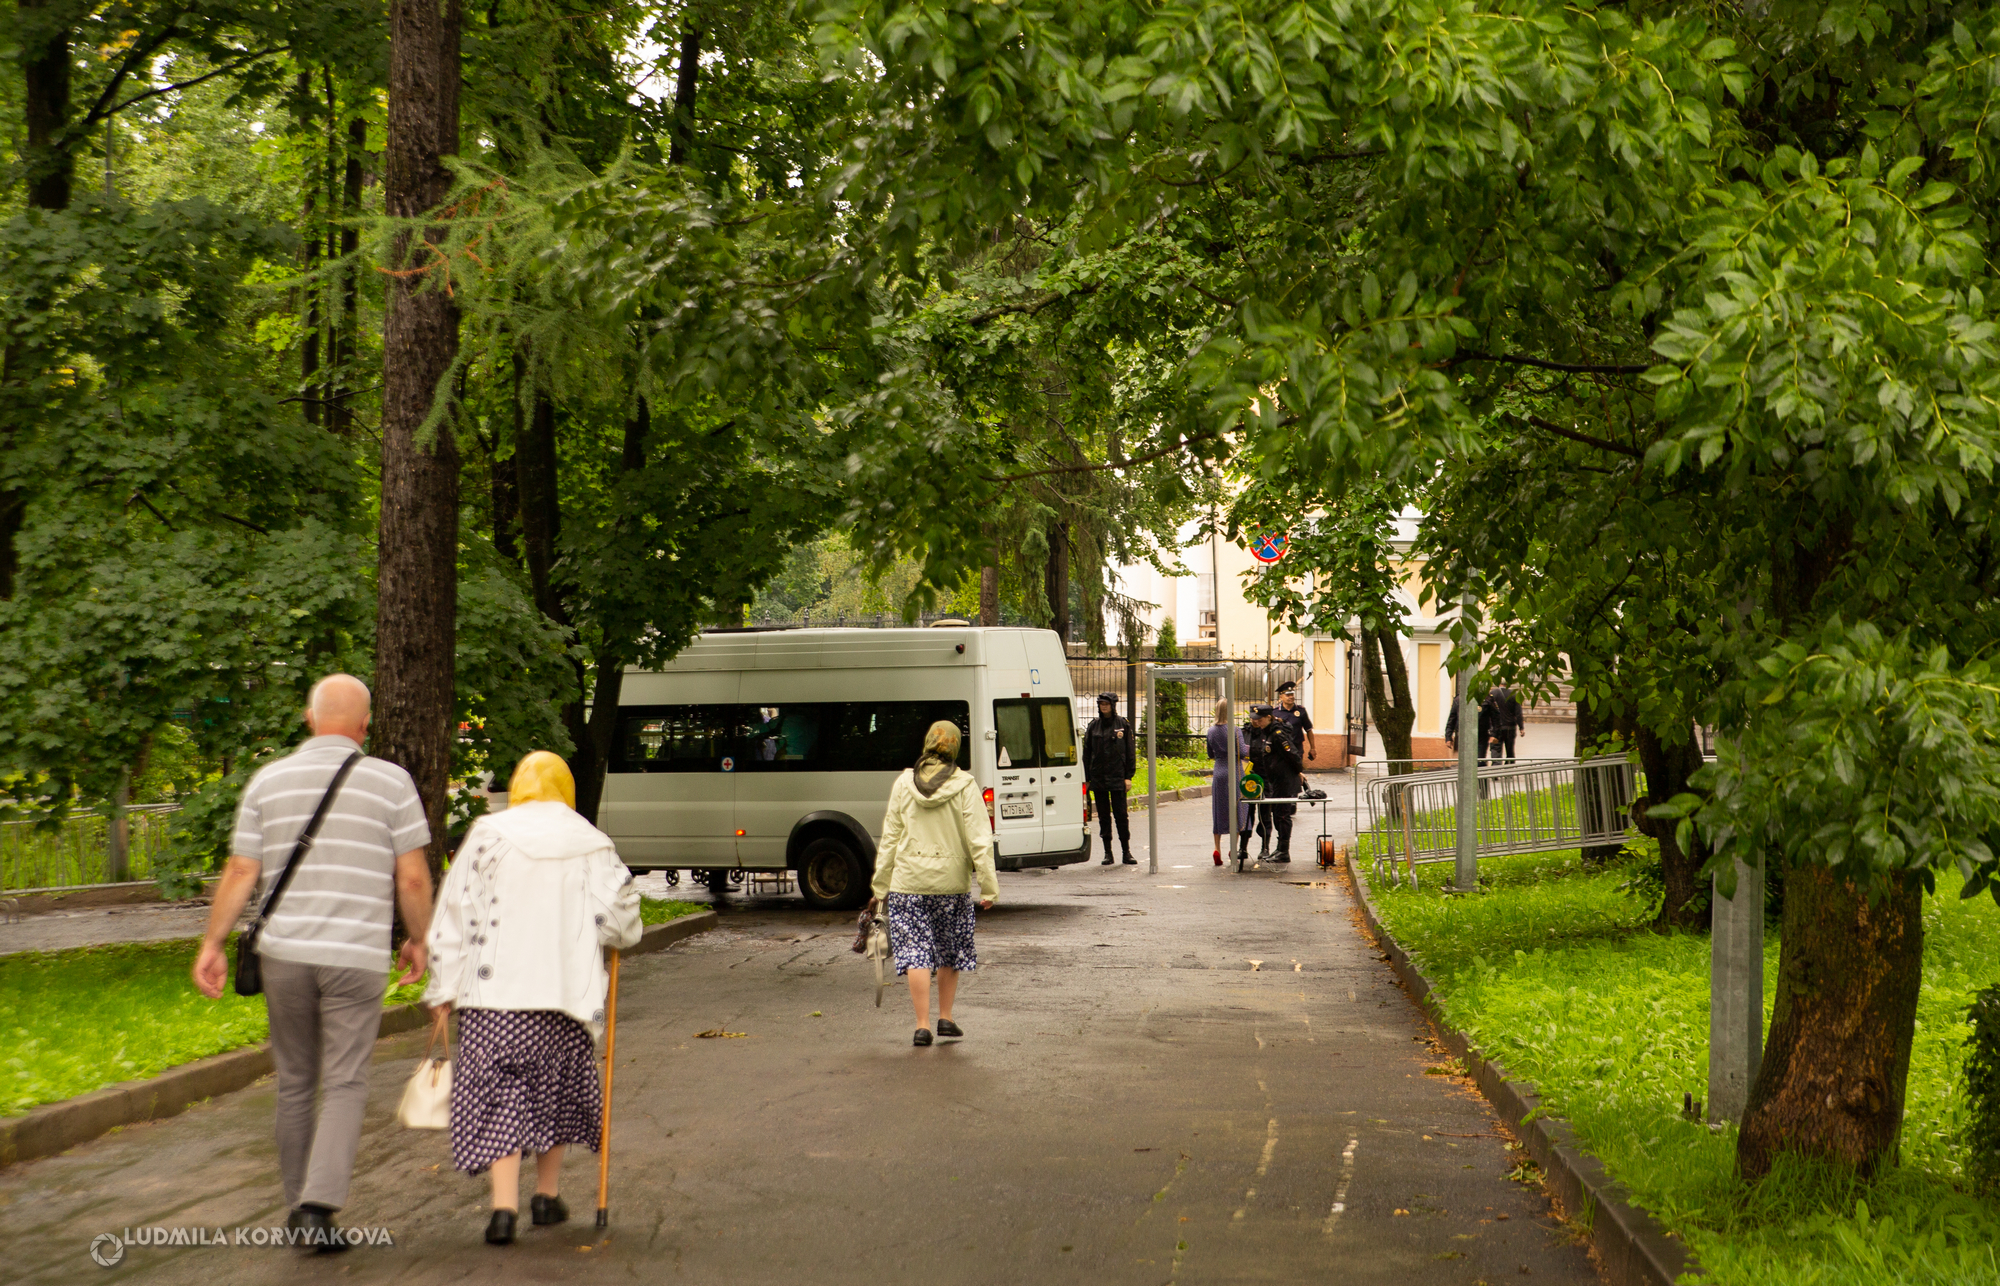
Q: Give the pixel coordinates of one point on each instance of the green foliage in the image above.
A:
(1553, 972)
(1982, 1089)
(1894, 754)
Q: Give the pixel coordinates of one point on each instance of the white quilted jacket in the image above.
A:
(533, 896)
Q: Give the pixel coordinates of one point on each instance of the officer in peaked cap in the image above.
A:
(1274, 756)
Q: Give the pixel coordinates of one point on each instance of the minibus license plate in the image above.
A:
(1017, 810)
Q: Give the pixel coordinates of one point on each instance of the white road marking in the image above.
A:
(1263, 1167)
(1346, 1179)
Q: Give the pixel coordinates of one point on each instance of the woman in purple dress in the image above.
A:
(1218, 752)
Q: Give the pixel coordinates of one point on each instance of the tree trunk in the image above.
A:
(310, 233)
(1057, 582)
(1834, 1069)
(989, 595)
(347, 326)
(535, 477)
(45, 66)
(1395, 712)
(1667, 769)
(417, 607)
(594, 736)
(686, 77)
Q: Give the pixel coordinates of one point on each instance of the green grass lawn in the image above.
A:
(1174, 774)
(75, 1021)
(1551, 972)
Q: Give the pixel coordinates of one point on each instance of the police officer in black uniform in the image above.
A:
(1109, 761)
(1274, 756)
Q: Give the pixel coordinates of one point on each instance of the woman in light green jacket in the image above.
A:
(936, 841)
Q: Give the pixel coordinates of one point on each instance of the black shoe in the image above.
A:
(500, 1228)
(1108, 859)
(923, 1036)
(946, 1027)
(1282, 857)
(313, 1231)
(1131, 860)
(547, 1210)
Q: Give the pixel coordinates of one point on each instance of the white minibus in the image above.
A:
(775, 750)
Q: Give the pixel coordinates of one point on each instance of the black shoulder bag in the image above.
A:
(250, 970)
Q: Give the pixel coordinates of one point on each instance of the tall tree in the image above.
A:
(417, 576)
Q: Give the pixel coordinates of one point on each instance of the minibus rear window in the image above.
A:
(1034, 733)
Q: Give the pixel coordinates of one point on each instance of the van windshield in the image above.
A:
(1038, 733)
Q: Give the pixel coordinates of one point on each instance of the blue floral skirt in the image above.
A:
(932, 931)
(526, 1080)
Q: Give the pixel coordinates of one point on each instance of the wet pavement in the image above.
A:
(1195, 1076)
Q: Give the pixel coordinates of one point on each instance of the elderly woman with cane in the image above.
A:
(936, 841)
(532, 899)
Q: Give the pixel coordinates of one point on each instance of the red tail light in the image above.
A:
(1086, 803)
(989, 809)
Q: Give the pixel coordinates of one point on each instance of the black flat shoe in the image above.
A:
(500, 1228)
(923, 1036)
(1130, 860)
(946, 1027)
(1108, 860)
(543, 1211)
(1282, 857)
(313, 1231)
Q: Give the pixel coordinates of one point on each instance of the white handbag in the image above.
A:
(426, 1101)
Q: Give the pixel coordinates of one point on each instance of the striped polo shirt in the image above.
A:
(337, 909)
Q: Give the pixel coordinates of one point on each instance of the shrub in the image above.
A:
(1173, 696)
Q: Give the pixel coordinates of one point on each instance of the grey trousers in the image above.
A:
(324, 1022)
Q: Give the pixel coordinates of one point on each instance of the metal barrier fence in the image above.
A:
(78, 851)
(1528, 806)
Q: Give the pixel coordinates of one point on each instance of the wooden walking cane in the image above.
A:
(604, 1130)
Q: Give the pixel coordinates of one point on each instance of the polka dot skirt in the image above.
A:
(525, 1081)
(932, 931)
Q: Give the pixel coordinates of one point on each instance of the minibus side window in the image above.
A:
(1016, 741)
(887, 736)
(692, 738)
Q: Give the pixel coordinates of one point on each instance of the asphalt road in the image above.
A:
(1197, 1076)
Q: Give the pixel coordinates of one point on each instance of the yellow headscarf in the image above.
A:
(541, 774)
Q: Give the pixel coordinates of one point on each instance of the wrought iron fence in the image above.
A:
(1257, 679)
(78, 850)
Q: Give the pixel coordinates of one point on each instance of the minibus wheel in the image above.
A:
(831, 877)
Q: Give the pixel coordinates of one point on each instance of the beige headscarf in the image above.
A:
(939, 760)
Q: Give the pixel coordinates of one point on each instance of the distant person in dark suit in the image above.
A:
(1506, 721)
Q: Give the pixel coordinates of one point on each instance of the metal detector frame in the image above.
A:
(1175, 674)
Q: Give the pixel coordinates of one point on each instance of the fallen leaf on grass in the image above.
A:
(1401, 1211)
(714, 1032)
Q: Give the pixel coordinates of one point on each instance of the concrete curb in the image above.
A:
(84, 897)
(1632, 1247)
(58, 1127)
(1136, 801)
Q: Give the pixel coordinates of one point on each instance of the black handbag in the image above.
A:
(250, 970)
